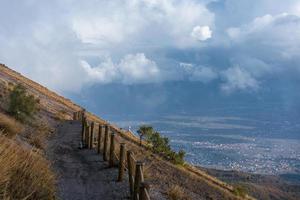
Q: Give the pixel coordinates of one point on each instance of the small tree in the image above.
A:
(21, 104)
(160, 144)
(144, 130)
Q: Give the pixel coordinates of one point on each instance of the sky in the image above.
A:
(235, 45)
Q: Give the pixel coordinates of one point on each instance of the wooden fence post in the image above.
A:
(89, 141)
(82, 116)
(92, 136)
(105, 143)
(112, 149)
(121, 162)
(78, 115)
(144, 191)
(130, 171)
(74, 115)
(138, 178)
(83, 127)
(87, 133)
(99, 138)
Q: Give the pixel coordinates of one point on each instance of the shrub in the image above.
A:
(9, 126)
(24, 174)
(144, 130)
(21, 104)
(177, 158)
(160, 144)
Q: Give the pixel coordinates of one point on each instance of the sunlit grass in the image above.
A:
(24, 173)
(9, 126)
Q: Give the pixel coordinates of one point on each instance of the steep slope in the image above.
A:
(163, 176)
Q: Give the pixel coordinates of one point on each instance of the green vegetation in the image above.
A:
(21, 104)
(144, 130)
(160, 145)
(240, 190)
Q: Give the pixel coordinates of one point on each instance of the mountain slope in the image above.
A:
(162, 175)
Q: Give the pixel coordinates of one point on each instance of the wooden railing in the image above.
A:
(113, 149)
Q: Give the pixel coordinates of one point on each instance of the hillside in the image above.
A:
(188, 181)
(267, 187)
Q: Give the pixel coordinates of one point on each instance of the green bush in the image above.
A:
(22, 105)
(177, 158)
(160, 145)
(144, 130)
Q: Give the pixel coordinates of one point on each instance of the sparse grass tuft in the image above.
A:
(24, 174)
(9, 126)
(177, 193)
(39, 134)
(240, 190)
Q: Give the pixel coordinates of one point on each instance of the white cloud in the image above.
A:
(271, 41)
(41, 52)
(105, 72)
(59, 41)
(201, 33)
(282, 30)
(133, 68)
(98, 31)
(119, 22)
(237, 78)
(258, 24)
(51, 41)
(199, 73)
(255, 66)
(138, 68)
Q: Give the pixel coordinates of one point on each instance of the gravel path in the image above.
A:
(82, 174)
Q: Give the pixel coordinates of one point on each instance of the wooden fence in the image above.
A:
(113, 149)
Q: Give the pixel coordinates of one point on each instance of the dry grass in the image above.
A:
(61, 115)
(38, 134)
(24, 174)
(9, 126)
(177, 193)
(49, 96)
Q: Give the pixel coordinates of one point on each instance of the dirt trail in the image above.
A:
(82, 174)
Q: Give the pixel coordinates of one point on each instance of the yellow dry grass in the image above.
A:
(24, 174)
(9, 126)
(62, 115)
(177, 193)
